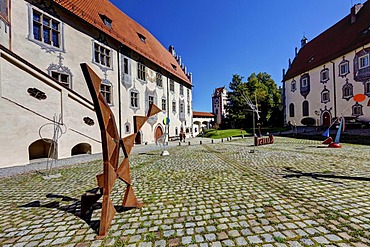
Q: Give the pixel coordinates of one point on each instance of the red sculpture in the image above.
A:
(111, 144)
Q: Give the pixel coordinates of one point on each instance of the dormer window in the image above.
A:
(174, 66)
(106, 20)
(142, 37)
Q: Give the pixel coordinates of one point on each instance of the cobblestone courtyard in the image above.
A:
(218, 194)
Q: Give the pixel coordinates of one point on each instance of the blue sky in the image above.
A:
(219, 38)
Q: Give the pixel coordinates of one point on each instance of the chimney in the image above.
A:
(354, 10)
(303, 41)
(171, 49)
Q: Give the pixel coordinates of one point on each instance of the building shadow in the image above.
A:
(74, 208)
(320, 176)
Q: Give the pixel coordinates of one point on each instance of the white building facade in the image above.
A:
(42, 46)
(329, 70)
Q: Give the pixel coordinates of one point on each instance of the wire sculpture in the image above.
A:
(52, 159)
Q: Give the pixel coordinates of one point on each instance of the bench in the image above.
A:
(173, 138)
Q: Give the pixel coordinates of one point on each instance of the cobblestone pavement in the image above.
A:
(290, 193)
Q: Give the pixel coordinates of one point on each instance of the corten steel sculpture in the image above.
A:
(111, 144)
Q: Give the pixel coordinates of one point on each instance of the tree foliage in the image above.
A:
(260, 87)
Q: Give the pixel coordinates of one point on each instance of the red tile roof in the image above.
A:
(125, 30)
(202, 114)
(341, 38)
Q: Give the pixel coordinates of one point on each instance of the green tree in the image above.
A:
(260, 87)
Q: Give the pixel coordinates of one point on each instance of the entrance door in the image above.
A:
(158, 133)
(326, 119)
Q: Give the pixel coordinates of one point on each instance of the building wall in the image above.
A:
(338, 104)
(28, 65)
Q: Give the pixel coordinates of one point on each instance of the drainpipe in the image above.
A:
(119, 93)
(335, 91)
(168, 109)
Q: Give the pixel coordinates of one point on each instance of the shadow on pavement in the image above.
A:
(73, 208)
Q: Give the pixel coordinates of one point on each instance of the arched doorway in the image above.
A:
(138, 138)
(158, 133)
(326, 119)
(40, 149)
(81, 148)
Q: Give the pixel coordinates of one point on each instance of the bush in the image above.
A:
(308, 121)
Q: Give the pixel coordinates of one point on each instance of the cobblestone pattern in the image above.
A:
(206, 195)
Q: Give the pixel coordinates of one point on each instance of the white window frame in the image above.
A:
(159, 80)
(141, 72)
(134, 99)
(164, 104)
(293, 86)
(102, 55)
(58, 76)
(324, 75)
(172, 86)
(325, 96)
(106, 93)
(304, 82)
(48, 46)
(361, 61)
(344, 68)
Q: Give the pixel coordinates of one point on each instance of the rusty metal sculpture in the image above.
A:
(111, 144)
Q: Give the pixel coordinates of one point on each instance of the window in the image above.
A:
(357, 110)
(106, 91)
(142, 37)
(150, 100)
(181, 90)
(4, 8)
(45, 29)
(141, 72)
(188, 108)
(304, 82)
(172, 86)
(62, 78)
(367, 87)
(125, 65)
(182, 110)
(344, 68)
(134, 99)
(102, 55)
(293, 86)
(305, 111)
(107, 22)
(164, 104)
(364, 61)
(174, 106)
(325, 97)
(291, 110)
(158, 79)
(127, 128)
(188, 93)
(347, 92)
(324, 75)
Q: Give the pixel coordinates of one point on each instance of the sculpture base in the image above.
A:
(334, 145)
